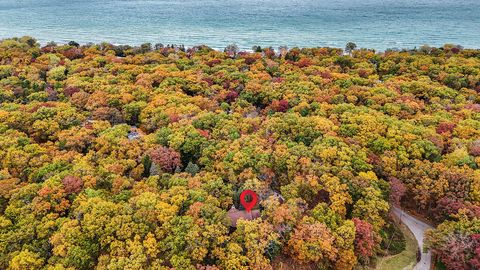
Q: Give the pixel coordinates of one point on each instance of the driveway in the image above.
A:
(418, 228)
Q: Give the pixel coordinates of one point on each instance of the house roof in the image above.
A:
(234, 215)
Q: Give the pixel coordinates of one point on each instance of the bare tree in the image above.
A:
(231, 49)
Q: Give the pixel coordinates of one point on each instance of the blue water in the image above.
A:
(217, 23)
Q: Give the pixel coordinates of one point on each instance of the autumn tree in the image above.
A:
(312, 242)
(166, 158)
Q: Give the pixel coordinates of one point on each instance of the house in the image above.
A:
(234, 215)
(88, 124)
(134, 133)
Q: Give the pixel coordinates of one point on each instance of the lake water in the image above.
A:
(217, 23)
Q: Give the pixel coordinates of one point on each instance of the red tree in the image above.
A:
(304, 62)
(72, 184)
(364, 239)
(73, 53)
(448, 206)
(475, 260)
(231, 96)
(279, 105)
(474, 148)
(110, 114)
(397, 190)
(454, 252)
(167, 158)
(70, 90)
(445, 127)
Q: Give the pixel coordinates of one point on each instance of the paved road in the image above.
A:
(418, 228)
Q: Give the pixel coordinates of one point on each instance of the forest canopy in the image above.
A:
(123, 157)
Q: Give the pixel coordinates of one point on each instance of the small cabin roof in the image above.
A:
(234, 215)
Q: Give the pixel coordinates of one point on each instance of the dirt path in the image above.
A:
(418, 228)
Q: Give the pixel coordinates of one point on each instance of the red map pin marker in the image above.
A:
(254, 198)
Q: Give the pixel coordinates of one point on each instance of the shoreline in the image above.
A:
(240, 49)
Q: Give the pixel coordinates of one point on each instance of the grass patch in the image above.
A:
(404, 260)
(393, 239)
